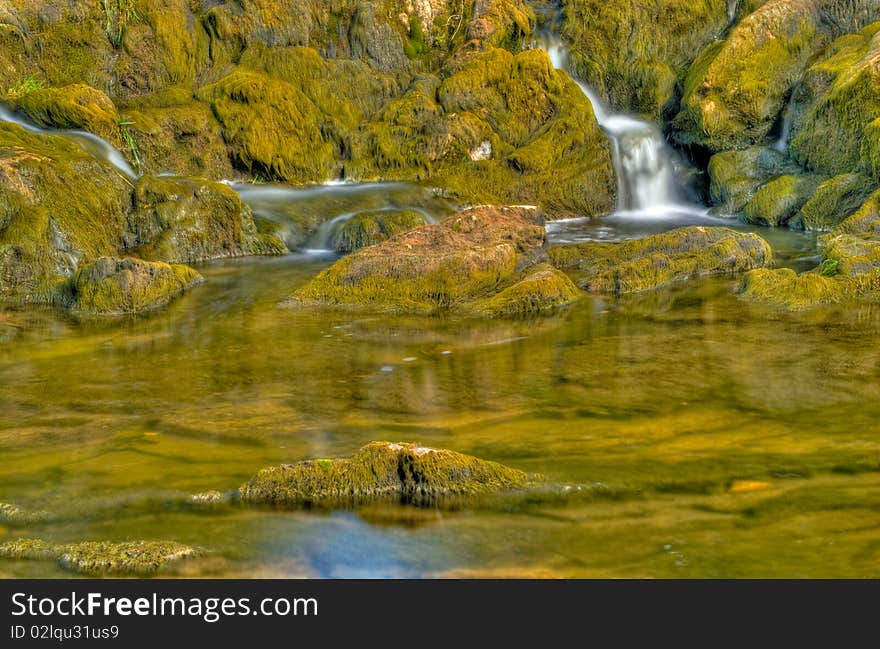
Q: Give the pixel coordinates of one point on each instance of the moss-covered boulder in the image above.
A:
(59, 207)
(181, 220)
(735, 176)
(454, 265)
(76, 106)
(779, 200)
(101, 557)
(833, 201)
(496, 128)
(127, 286)
(865, 220)
(659, 260)
(783, 287)
(838, 128)
(542, 289)
(14, 515)
(404, 473)
(374, 226)
(737, 88)
(636, 54)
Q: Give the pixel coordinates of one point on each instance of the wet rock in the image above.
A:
(541, 290)
(735, 176)
(29, 549)
(451, 266)
(737, 87)
(405, 473)
(128, 286)
(180, 220)
(659, 260)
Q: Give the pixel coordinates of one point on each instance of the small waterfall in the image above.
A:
(90, 143)
(781, 144)
(641, 157)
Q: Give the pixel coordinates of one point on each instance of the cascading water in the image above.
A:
(91, 144)
(643, 161)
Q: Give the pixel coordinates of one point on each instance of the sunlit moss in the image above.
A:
(405, 473)
(542, 289)
(658, 260)
(834, 201)
(372, 227)
(777, 202)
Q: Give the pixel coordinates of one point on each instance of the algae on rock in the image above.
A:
(452, 266)
(396, 472)
(128, 286)
(658, 260)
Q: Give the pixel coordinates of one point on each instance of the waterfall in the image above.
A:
(90, 143)
(642, 158)
(781, 144)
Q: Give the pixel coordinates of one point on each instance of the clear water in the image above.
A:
(656, 404)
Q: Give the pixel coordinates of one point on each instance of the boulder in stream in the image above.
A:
(658, 260)
(468, 263)
(101, 557)
(396, 472)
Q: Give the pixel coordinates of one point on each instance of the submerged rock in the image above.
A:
(405, 473)
(103, 557)
(128, 286)
(181, 220)
(659, 260)
(14, 515)
(455, 265)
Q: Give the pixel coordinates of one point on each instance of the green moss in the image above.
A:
(776, 202)
(118, 15)
(59, 207)
(838, 130)
(659, 260)
(405, 473)
(26, 86)
(33, 549)
(735, 176)
(865, 220)
(434, 268)
(542, 289)
(76, 106)
(783, 287)
(128, 286)
(834, 201)
(636, 53)
(415, 47)
(135, 557)
(183, 220)
(736, 94)
(372, 227)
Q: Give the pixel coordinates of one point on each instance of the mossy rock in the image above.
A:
(662, 39)
(175, 134)
(496, 128)
(372, 227)
(659, 260)
(128, 286)
(865, 220)
(834, 201)
(779, 200)
(737, 90)
(838, 128)
(784, 288)
(101, 557)
(735, 176)
(76, 106)
(59, 207)
(542, 289)
(449, 266)
(182, 220)
(384, 471)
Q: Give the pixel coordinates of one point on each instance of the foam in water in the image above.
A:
(641, 157)
(90, 143)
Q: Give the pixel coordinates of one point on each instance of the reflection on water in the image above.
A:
(659, 401)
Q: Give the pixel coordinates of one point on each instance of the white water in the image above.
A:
(642, 159)
(90, 143)
(781, 144)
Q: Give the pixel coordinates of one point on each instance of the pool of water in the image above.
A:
(657, 407)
